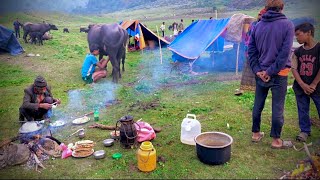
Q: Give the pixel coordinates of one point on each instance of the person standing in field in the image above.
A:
(180, 26)
(268, 51)
(248, 78)
(163, 28)
(305, 69)
(16, 25)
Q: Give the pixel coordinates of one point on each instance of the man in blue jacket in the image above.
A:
(16, 25)
(269, 49)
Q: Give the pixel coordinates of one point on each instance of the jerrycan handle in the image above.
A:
(191, 115)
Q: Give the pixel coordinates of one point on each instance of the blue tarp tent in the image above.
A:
(8, 42)
(197, 38)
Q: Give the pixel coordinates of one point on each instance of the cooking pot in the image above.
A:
(213, 148)
(31, 128)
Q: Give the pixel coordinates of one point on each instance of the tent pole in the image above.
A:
(237, 62)
(159, 45)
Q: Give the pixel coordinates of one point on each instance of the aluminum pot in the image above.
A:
(213, 148)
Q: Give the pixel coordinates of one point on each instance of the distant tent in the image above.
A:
(8, 42)
(209, 35)
(142, 33)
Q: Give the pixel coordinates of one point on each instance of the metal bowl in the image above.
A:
(99, 154)
(108, 142)
(81, 134)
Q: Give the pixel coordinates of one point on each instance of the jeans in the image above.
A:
(278, 86)
(303, 103)
(17, 31)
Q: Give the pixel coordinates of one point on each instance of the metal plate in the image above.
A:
(57, 123)
(81, 120)
(74, 155)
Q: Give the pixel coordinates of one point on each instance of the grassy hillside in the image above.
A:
(160, 94)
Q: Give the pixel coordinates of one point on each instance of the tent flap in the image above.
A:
(9, 42)
(197, 37)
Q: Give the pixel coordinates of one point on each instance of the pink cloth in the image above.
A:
(144, 131)
(66, 152)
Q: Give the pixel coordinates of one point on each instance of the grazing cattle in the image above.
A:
(84, 30)
(65, 30)
(112, 40)
(30, 27)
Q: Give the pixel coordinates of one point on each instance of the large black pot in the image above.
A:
(213, 147)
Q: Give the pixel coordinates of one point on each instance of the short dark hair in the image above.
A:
(93, 47)
(305, 27)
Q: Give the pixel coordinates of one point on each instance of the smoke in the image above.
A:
(84, 101)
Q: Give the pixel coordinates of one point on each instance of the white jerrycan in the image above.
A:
(190, 128)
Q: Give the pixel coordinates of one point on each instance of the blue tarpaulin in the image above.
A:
(8, 42)
(197, 38)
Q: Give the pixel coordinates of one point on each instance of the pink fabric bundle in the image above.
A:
(66, 152)
(144, 131)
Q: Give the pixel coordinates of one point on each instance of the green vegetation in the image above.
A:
(158, 94)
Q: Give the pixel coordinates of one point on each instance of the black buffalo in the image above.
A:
(31, 27)
(112, 40)
(65, 30)
(36, 36)
(84, 30)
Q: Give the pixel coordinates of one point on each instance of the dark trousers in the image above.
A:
(303, 103)
(278, 86)
(31, 115)
(162, 33)
(17, 31)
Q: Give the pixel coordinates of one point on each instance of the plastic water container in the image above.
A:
(190, 128)
(147, 158)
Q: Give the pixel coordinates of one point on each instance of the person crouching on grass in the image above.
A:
(37, 101)
(305, 69)
(89, 71)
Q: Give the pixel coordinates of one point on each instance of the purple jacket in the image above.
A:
(270, 44)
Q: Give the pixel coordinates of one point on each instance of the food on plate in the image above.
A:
(57, 123)
(81, 120)
(83, 148)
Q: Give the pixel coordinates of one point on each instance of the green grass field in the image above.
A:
(144, 82)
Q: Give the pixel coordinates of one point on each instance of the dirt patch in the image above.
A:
(132, 167)
(145, 105)
(315, 122)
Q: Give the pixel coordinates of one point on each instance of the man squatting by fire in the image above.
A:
(37, 101)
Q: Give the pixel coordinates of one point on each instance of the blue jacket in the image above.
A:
(270, 43)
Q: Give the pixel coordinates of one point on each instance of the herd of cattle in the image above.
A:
(112, 40)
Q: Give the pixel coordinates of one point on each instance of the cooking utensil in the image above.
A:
(81, 134)
(82, 129)
(99, 154)
(108, 142)
(213, 147)
(30, 126)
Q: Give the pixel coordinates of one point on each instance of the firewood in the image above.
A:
(101, 126)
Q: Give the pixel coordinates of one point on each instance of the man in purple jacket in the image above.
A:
(269, 50)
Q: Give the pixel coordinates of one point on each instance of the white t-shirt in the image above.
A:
(162, 27)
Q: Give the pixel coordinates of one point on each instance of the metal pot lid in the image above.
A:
(30, 126)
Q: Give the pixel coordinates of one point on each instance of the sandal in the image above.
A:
(302, 137)
(285, 145)
(261, 135)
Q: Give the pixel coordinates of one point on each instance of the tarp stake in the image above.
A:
(159, 45)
